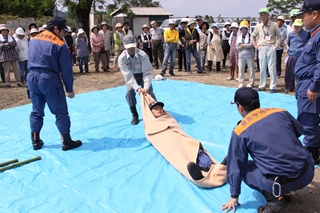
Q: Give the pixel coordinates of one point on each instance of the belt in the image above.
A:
(284, 179)
(304, 78)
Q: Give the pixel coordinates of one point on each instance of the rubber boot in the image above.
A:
(315, 154)
(68, 143)
(36, 141)
(194, 171)
(135, 116)
(218, 66)
(210, 65)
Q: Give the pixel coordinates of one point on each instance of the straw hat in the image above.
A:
(118, 25)
(145, 26)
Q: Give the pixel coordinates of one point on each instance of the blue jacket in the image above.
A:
(270, 136)
(296, 43)
(308, 64)
(47, 51)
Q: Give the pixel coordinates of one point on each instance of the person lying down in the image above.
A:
(184, 153)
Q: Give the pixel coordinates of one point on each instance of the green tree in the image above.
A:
(27, 8)
(282, 7)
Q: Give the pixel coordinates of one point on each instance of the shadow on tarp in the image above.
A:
(117, 169)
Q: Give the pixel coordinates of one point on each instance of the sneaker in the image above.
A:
(272, 91)
(273, 206)
(261, 89)
(249, 85)
(240, 86)
(194, 171)
(229, 78)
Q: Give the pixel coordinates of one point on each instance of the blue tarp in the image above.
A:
(116, 169)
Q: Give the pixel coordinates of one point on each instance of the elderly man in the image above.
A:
(307, 71)
(279, 162)
(136, 68)
(268, 36)
(283, 33)
(171, 38)
(157, 43)
(293, 17)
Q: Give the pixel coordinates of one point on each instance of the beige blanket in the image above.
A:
(178, 148)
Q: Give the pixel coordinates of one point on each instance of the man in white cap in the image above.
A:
(136, 68)
(266, 38)
(171, 38)
(157, 43)
(283, 33)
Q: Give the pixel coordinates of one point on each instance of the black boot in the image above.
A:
(36, 141)
(135, 117)
(210, 65)
(273, 205)
(194, 171)
(68, 143)
(315, 154)
(218, 66)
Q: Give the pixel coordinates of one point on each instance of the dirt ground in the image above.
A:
(304, 201)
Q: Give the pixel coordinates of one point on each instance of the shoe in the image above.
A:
(249, 85)
(194, 171)
(261, 89)
(201, 72)
(115, 68)
(180, 70)
(189, 72)
(87, 71)
(273, 206)
(229, 78)
(237, 79)
(286, 91)
(172, 74)
(19, 85)
(162, 74)
(273, 91)
(36, 141)
(135, 120)
(8, 85)
(105, 70)
(240, 86)
(68, 143)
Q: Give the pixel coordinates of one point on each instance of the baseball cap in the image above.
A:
(59, 22)
(309, 5)
(155, 103)
(246, 96)
(129, 41)
(264, 10)
(293, 12)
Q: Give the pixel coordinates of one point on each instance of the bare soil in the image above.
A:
(304, 201)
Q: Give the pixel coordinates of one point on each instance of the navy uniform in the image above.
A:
(137, 72)
(270, 137)
(307, 71)
(49, 62)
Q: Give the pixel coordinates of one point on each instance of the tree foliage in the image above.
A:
(27, 8)
(282, 7)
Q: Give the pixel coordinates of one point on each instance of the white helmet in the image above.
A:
(20, 31)
(159, 78)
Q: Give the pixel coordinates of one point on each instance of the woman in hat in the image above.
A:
(214, 50)
(9, 55)
(146, 40)
(97, 43)
(81, 43)
(233, 54)
(107, 42)
(22, 50)
(225, 42)
(203, 33)
(118, 36)
(33, 33)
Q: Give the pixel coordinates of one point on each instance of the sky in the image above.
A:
(227, 8)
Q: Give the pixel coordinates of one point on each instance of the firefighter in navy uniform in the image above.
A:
(279, 162)
(307, 71)
(50, 64)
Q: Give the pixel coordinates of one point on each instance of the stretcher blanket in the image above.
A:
(117, 169)
(178, 148)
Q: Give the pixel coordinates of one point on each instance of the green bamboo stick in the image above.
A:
(9, 162)
(20, 163)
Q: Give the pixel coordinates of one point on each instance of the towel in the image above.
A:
(246, 39)
(231, 36)
(178, 148)
(2, 39)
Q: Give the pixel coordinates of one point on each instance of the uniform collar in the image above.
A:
(315, 30)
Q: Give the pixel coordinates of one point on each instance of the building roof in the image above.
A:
(145, 11)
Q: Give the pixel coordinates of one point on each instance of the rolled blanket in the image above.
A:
(178, 148)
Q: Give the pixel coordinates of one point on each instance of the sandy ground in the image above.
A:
(304, 201)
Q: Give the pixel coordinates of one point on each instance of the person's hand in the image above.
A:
(191, 42)
(256, 46)
(233, 202)
(282, 45)
(242, 45)
(142, 91)
(182, 45)
(312, 96)
(211, 47)
(71, 94)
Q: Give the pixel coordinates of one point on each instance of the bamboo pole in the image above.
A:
(20, 163)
